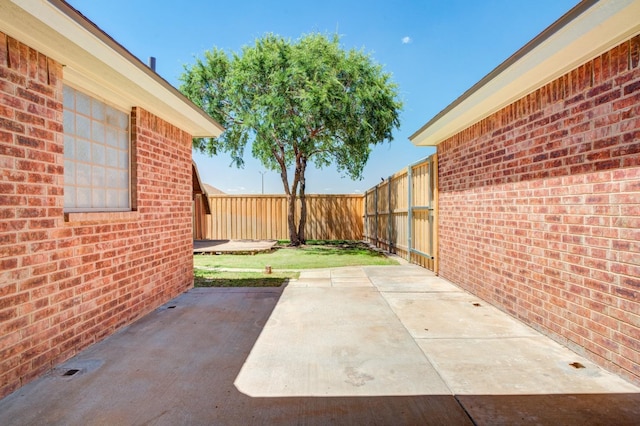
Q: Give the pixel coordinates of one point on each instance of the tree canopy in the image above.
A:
(295, 103)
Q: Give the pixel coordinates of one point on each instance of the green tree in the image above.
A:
(296, 104)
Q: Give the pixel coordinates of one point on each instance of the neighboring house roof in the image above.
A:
(199, 188)
(586, 31)
(212, 190)
(95, 62)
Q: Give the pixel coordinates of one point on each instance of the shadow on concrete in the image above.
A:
(578, 409)
(178, 366)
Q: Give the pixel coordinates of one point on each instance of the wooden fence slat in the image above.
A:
(265, 217)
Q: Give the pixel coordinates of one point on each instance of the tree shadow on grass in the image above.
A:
(340, 248)
(343, 252)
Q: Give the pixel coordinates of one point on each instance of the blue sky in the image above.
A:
(435, 50)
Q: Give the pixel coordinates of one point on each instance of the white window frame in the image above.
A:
(97, 154)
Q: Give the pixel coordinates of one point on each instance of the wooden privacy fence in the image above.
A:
(400, 213)
(258, 217)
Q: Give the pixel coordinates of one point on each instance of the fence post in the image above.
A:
(365, 233)
(389, 217)
(409, 211)
(375, 202)
(430, 199)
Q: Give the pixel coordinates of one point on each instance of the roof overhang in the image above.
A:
(585, 32)
(95, 62)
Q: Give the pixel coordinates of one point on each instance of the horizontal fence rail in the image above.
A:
(259, 217)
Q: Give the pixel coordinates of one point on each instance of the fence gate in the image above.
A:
(400, 213)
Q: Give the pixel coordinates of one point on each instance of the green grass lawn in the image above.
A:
(284, 262)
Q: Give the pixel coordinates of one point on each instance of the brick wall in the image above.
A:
(540, 209)
(67, 282)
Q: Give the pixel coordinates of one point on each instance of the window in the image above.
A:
(96, 155)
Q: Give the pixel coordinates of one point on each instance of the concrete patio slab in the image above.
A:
(611, 409)
(346, 282)
(517, 366)
(177, 366)
(316, 273)
(412, 284)
(348, 272)
(311, 282)
(315, 356)
(407, 270)
(340, 342)
(454, 315)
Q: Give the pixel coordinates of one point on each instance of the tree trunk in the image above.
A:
(291, 195)
(291, 221)
(303, 202)
(293, 234)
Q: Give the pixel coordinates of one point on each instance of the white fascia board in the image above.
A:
(589, 34)
(95, 62)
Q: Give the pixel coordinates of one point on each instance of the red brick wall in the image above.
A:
(66, 283)
(540, 209)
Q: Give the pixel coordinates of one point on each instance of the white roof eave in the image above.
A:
(94, 61)
(588, 30)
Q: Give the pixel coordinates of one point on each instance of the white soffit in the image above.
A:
(95, 62)
(585, 32)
